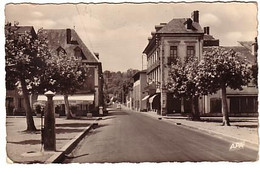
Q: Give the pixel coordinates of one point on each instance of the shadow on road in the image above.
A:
(107, 118)
(66, 130)
(247, 126)
(73, 157)
(72, 125)
(27, 142)
(117, 112)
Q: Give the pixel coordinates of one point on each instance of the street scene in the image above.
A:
(97, 83)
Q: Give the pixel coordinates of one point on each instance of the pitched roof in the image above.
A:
(242, 52)
(23, 29)
(58, 38)
(178, 25)
(208, 37)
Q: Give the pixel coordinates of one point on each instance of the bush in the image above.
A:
(38, 107)
(57, 109)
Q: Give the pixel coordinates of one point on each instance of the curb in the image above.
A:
(248, 143)
(59, 155)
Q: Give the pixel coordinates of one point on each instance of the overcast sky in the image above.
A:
(119, 32)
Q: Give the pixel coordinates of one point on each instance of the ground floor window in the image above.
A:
(9, 105)
(215, 105)
(243, 104)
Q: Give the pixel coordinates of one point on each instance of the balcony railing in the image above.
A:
(153, 66)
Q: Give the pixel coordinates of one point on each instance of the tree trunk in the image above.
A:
(28, 109)
(195, 109)
(224, 106)
(67, 107)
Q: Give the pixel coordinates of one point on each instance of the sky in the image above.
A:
(119, 32)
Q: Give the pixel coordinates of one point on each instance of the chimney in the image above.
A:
(68, 33)
(152, 33)
(207, 30)
(195, 16)
(158, 27)
(189, 23)
(96, 54)
(149, 39)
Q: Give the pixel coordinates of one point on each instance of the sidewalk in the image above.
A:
(24, 147)
(242, 129)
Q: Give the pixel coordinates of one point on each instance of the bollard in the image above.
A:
(49, 139)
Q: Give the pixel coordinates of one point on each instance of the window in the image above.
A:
(20, 103)
(61, 52)
(190, 51)
(173, 55)
(234, 104)
(215, 105)
(77, 52)
(243, 104)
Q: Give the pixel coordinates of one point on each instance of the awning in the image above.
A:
(72, 98)
(151, 98)
(146, 97)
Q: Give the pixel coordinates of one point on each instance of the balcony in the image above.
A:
(153, 66)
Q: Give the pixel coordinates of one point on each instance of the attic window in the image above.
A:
(78, 53)
(61, 52)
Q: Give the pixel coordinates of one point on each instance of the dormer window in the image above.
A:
(61, 52)
(78, 53)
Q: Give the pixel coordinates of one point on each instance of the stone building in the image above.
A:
(89, 98)
(139, 92)
(181, 37)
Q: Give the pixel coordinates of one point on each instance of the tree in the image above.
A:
(182, 82)
(254, 70)
(118, 83)
(222, 68)
(64, 75)
(24, 61)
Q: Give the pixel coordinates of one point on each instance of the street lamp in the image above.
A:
(49, 139)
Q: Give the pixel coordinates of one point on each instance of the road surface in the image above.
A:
(127, 136)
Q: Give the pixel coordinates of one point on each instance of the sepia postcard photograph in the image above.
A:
(145, 82)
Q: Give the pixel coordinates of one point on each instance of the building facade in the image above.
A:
(139, 93)
(89, 98)
(180, 38)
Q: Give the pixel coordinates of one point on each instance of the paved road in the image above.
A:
(126, 136)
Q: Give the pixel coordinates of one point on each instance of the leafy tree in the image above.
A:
(118, 83)
(64, 75)
(254, 70)
(183, 82)
(222, 68)
(24, 61)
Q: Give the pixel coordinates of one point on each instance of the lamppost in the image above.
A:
(49, 138)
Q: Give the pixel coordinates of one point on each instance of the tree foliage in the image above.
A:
(24, 61)
(63, 75)
(118, 84)
(222, 68)
(183, 82)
